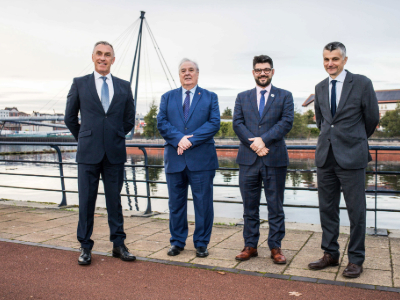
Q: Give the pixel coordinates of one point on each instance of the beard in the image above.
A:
(263, 84)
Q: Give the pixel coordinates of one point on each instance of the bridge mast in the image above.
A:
(137, 53)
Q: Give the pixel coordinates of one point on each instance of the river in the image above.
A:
(301, 215)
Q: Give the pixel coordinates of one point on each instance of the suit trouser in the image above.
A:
(88, 183)
(201, 183)
(250, 179)
(330, 178)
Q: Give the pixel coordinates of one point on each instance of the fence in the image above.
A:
(147, 181)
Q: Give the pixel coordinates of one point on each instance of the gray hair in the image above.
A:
(104, 43)
(188, 60)
(336, 45)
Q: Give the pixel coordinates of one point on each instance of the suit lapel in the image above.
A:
(178, 101)
(324, 102)
(196, 98)
(253, 100)
(93, 91)
(347, 86)
(271, 97)
(117, 91)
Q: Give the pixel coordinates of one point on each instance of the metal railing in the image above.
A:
(146, 166)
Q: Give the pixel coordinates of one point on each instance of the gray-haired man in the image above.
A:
(188, 120)
(347, 113)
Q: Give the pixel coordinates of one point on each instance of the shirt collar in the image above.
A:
(191, 91)
(267, 88)
(98, 75)
(340, 78)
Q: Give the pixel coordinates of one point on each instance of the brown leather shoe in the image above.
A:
(352, 271)
(324, 262)
(277, 256)
(247, 253)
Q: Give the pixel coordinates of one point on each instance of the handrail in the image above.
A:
(148, 195)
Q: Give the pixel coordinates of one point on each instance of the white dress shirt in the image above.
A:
(99, 84)
(259, 89)
(339, 86)
(191, 95)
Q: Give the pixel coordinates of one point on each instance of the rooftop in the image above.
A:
(384, 96)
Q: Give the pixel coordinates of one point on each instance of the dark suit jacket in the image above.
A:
(203, 122)
(356, 118)
(99, 133)
(275, 123)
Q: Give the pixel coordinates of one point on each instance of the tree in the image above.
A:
(391, 122)
(299, 129)
(226, 130)
(227, 114)
(309, 117)
(150, 129)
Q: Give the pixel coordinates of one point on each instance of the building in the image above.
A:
(4, 113)
(13, 111)
(387, 100)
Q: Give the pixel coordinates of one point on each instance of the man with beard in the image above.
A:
(262, 117)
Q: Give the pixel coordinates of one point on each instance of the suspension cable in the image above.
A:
(151, 34)
(159, 58)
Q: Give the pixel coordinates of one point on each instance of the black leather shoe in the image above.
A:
(174, 250)
(123, 253)
(86, 257)
(201, 252)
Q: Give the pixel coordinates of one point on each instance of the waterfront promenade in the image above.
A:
(44, 225)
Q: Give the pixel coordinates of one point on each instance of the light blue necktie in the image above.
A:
(105, 95)
(262, 103)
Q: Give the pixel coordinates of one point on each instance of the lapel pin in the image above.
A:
(199, 93)
(272, 95)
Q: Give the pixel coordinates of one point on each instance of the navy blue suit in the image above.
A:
(276, 121)
(101, 150)
(196, 166)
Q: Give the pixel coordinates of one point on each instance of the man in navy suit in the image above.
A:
(188, 120)
(106, 107)
(262, 117)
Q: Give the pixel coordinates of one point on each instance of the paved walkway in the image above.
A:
(148, 238)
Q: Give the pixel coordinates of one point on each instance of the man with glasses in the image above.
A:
(347, 113)
(262, 117)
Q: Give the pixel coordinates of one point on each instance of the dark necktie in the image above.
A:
(333, 98)
(186, 105)
(262, 103)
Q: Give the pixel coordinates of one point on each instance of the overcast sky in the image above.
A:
(44, 44)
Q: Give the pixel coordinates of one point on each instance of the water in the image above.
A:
(300, 215)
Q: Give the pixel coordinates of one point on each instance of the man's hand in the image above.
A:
(257, 144)
(180, 151)
(262, 152)
(185, 143)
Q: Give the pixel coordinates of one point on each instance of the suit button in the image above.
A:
(185, 128)
(259, 126)
(106, 117)
(332, 126)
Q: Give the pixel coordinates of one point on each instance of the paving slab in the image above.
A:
(310, 273)
(214, 262)
(374, 277)
(184, 256)
(261, 264)
(151, 246)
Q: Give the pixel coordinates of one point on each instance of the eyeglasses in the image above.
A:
(259, 71)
